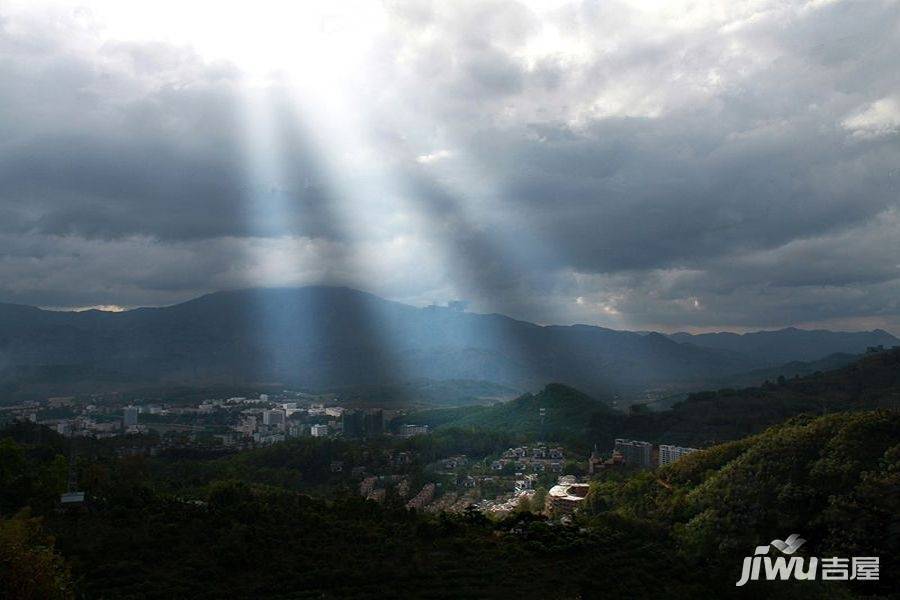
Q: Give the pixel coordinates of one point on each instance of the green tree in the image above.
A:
(574, 468)
(12, 475)
(29, 566)
(524, 505)
(539, 499)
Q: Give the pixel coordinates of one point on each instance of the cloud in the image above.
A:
(435, 156)
(630, 164)
(880, 118)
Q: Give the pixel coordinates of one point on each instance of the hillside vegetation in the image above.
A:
(702, 419)
(835, 480)
(565, 412)
(709, 417)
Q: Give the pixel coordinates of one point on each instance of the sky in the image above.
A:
(674, 165)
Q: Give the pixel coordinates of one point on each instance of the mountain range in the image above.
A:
(321, 337)
(770, 348)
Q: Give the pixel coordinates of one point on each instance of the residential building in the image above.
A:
(566, 497)
(273, 418)
(402, 458)
(367, 486)
(669, 454)
(423, 498)
(635, 453)
(247, 426)
(352, 423)
(411, 430)
(130, 416)
(524, 482)
(374, 422)
(454, 462)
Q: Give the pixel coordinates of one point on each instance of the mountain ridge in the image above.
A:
(774, 347)
(327, 336)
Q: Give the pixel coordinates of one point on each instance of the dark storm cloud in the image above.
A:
(612, 200)
(720, 166)
(744, 168)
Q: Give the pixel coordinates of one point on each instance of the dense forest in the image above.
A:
(834, 478)
(682, 529)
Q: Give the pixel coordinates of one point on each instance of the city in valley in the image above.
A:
(369, 449)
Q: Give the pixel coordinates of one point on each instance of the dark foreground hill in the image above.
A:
(835, 480)
(325, 338)
(176, 527)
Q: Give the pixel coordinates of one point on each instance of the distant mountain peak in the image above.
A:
(321, 336)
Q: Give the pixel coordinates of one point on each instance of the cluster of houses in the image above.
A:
(537, 459)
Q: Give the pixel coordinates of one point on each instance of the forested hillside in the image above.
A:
(708, 417)
(835, 480)
(702, 419)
